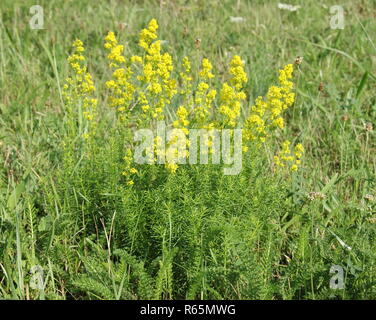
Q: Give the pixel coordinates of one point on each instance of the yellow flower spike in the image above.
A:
(80, 87)
(206, 67)
(110, 40)
(279, 122)
(271, 108)
(186, 80)
(148, 34)
(172, 167)
(122, 91)
(136, 59)
(145, 108)
(204, 97)
(78, 46)
(156, 74)
(231, 95)
(299, 150)
(239, 77)
(186, 65)
(287, 158)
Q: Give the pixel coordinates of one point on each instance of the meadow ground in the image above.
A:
(196, 234)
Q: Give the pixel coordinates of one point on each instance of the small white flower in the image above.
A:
(289, 7)
(237, 19)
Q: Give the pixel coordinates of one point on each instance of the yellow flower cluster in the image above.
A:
(129, 170)
(265, 115)
(144, 84)
(182, 115)
(116, 50)
(148, 35)
(204, 96)
(168, 152)
(206, 68)
(231, 95)
(156, 74)
(287, 158)
(182, 121)
(239, 77)
(172, 152)
(186, 78)
(121, 89)
(80, 89)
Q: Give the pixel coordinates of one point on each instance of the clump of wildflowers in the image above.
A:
(143, 88)
(78, 90)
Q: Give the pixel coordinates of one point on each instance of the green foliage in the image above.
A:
(197, 234)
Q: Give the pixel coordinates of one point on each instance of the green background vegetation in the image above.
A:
(197, 234)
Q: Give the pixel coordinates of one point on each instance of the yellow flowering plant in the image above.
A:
(145, 88)
(79, 93)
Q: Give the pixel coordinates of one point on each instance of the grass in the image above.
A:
(197, 234)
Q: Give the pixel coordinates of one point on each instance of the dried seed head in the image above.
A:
(345, 117)
(368, 126)
(197, 43)
(298, 60)
(122, 25)
(315, 195)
